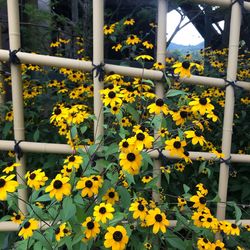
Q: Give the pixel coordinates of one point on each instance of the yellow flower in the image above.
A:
(148, 45)
(111, 196)
(181, 202)
(218, 153)
(17, 218)
(142, 140)
(88, 185)
(103, 212)
(109, 29)
(9, 116)
(144, 57)
(201, 105)
(10, 167)
(196, 137)
(36, 179)
(92, 228)
(158, 107)
(183, 68)
(129, 21)
(139, 209)
(203, 243)
(199, 201)
(59, 187)
(7, 185)
(147, 179)
(158, 65)
(27, 228)
(157, 219)
(176, 146)
(116, 238)
(74, 161)
(117, 47)
(62, 231)
(132, 40)
(131, 161)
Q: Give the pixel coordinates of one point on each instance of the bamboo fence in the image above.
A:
(98, 57)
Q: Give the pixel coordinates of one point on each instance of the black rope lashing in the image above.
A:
(232, 84)
(100, 72)
(162, 157)
(228, 163)
(241, 3)
(13, 57)
(18, 150)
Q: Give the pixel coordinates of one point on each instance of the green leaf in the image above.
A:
(40, 237)
(68, 208)
(148, 81)
(36, 135)
(147, 158)
(106, 185)
(124, 197)
(117, 218)
(134, 113)
(44, 197)
(152, 183)
(83, 129)
(186, 188)
(237, 212)
(174, 241)
(73, 131)
(175, 92)
(111, 149)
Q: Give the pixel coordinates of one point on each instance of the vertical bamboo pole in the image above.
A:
(159, 89)
(17, 93)
(98, 57)
(1, 68)
(229, 107)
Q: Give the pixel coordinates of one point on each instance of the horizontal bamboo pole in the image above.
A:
(62, 62)
(9, 226)
(222, 3)
(55, 148)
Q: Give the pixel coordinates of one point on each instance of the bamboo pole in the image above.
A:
(54, 148)
(1, 68)
(229, 107)
(17, 94)
(159, 88)
(98, 58)
(62, 62)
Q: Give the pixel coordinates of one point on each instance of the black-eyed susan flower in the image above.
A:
(17, 218)
(163, 132)
(9, 116)
(132, 40)
(218, 245)
(91, 228)
(147, 178)
(199, 201)
(148, 245)
(201, 105)
(202, 189)
(176, 146)
(7, 185)
(126, 145)
(144, 57)
(203, 243)
(59, 187)
(62, 231)
(158, 107)
(157, 219)
(59, 113)
(142, 140)
(148, 45)
(232, 229)
(10, 167)
(117, 47)
(111, 196)
(112, 98)
(116, 238)
(218, 153)
(181, 203)
(103, 212)
(28, 228)
(125, 122)
(74, 161)
(109, 29)
(139, 209)
(36, 179)
(129, 21)
(88, 185)
(196, 137)
(208, 221)
(179, 166)
(183, 68)
(131, 161)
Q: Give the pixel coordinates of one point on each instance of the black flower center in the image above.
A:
(65, 230)
(57, 231)
(26, 225)
(202, 200)
(183, 114)
(32, 176)
(218, 248)
(125, 144)
(159, 102)
(198, 133)
(131, 157)
(132, 37)
(234, 226)
(177, 144)
(140, 207)
(186, 65)
(57, 184)
(72, 158)
(201, 217)
(90, 225)
(2, 183)
(18, 217)
(9, 164)
(115, 108)
(140, 136)
(117, 236)
(203, 101)
(58, 111)
(69, 170)
(102, 210)
(129, 88)
(111, 194)
(209, 219)
(111, 94)
(158, 218)
(88, 183)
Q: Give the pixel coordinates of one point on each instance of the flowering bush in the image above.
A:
(100, 196)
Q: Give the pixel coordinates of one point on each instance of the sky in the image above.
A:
(186, 36)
